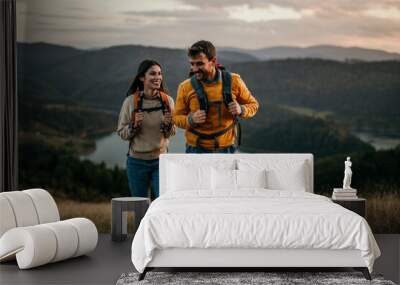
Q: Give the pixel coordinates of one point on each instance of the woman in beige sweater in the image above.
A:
(145, 121)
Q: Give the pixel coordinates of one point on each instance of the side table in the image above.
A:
(356, 205)
(120, 208)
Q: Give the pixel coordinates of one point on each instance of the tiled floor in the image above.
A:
(110, 260)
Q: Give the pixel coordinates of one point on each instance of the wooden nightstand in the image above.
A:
(356, 205)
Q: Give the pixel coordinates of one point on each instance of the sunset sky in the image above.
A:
(243, 24)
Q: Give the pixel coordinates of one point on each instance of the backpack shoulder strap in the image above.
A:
(226, 87)
(201, 95)
(134, 105)
(227, 95)
(139, 102)
(165, 102)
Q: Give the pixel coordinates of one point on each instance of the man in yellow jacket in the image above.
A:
(209, 103)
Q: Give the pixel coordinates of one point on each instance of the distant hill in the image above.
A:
(36, 57)
(226, 57)
(364, 95)
(60, 122)
(100, 77)
(274, 129)
(319, 51)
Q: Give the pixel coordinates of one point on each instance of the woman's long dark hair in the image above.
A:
(137, 84)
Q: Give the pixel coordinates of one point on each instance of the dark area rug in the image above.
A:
(229, 278)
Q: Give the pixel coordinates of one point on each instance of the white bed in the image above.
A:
(195, 223)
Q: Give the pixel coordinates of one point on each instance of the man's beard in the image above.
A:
(203, 73)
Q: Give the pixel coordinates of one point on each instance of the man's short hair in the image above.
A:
(202, 46)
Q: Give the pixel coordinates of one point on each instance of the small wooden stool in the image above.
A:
(120, 208)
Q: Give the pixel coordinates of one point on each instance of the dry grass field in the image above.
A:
(383, 213)
(99, 213)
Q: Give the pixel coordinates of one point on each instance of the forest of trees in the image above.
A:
(281, 130)
(65, 175)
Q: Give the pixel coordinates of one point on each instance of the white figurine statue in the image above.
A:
(347, 174)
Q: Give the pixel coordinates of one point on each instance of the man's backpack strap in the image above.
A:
(212, 136)
(227, 98)
(201, 95)
(238, 131)
(226, 87)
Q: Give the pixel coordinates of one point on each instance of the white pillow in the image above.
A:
(281, 174)
(183, 177)
(251, 178)
(224, 179)
(198, 160)
(287, 176)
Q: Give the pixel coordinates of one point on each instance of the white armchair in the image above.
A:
(31, 230)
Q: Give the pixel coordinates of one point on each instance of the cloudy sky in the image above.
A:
(236, 23)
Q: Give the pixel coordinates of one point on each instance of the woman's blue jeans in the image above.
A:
(140, 174)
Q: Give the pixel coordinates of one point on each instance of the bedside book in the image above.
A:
(335, 197)
(344, 194)
(341, 190)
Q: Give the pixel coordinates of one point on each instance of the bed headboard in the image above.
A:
(208, 158)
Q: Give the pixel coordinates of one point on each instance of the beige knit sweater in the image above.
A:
(148, 142)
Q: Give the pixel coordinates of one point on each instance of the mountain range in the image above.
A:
(366, 95)
(319, 51)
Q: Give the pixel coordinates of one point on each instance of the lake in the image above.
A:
(378, 142)
(112, 149)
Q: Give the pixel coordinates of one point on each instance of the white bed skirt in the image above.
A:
(189, 257)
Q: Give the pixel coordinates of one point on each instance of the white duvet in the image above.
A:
(252, 218)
